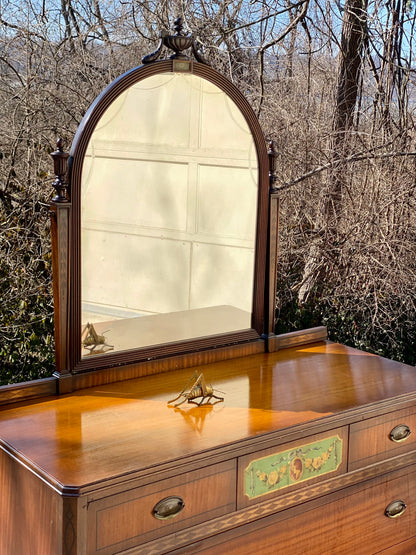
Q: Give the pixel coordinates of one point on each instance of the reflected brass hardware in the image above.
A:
(400, 433)
(168, 507)
(395, 509)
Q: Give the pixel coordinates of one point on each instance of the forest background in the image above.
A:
(333, 84)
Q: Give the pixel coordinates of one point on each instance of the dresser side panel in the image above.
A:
(30, 512)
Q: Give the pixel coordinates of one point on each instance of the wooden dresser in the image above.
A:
(313, 451)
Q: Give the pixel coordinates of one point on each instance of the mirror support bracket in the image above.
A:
(273, 246)
(60, 212)
(273, 238)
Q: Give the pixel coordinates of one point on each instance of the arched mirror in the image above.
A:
(169, 189)
(168, 217)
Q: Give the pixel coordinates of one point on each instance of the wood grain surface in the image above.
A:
(124, 520)
(370, 440)
(113, 430)
(351, 522)
(30, 512)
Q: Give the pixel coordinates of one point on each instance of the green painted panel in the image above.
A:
(285, 468)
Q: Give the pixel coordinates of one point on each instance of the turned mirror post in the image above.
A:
(60, 211)
(273, 245)
(140, 190)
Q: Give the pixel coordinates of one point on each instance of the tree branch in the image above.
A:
(265, 18)
(289, 28)
(352, 158)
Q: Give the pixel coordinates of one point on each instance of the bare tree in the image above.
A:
(333, 85)
(353, 37)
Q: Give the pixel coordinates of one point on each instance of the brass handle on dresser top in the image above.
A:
(400, 433)
(395, 508)
(168, 507)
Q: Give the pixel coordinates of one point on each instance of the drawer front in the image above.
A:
(382, 437)
(351, 521)
(275, 471)
(402, 548)
(127, 519)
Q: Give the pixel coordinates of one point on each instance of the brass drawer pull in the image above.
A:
(395, 509)
(168, 507)
(400, 433)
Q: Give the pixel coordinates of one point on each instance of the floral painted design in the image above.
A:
(285, 468)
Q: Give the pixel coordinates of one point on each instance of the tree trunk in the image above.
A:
(327, 227)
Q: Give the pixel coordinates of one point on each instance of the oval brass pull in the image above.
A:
(168, 507)
(395, 509)
(400, 433)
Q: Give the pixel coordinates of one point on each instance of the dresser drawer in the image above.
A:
(127, 518)
(271, 472)
(403, 548)
(350, 521)
(382, 437)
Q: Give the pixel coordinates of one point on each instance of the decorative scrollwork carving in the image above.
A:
(198, 52)
(153, 56)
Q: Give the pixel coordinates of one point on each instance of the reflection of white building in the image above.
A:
(174, 230)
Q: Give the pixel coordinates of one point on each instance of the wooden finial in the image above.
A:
(179, 42)
(60, 165)
(178, 26)
(272, 165)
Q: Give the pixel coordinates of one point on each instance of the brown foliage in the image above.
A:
(55, 58)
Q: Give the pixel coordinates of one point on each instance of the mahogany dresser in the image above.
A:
(313, 451)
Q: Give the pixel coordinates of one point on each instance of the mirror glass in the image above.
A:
(168, 217)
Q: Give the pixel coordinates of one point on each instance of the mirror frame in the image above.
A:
(69, 360)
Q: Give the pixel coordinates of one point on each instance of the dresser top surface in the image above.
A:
(115, 429)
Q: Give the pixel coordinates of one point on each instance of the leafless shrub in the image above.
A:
(56, 58)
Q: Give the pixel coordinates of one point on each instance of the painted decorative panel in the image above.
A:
(286, 468)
